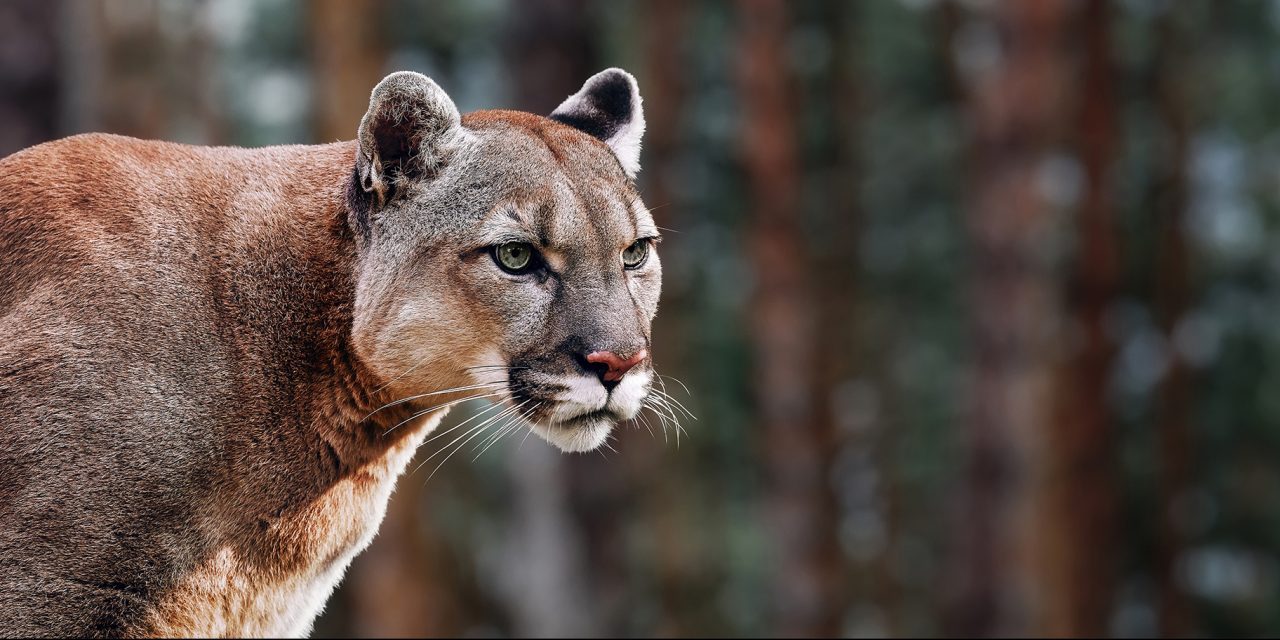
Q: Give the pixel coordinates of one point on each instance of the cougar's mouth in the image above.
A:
(588, 417)
(573, 412)
(574, 421)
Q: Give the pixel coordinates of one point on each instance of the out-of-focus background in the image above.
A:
(977, 303)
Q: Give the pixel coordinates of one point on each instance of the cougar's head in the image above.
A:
(508, 254)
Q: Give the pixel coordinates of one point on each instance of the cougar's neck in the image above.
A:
(291, 286)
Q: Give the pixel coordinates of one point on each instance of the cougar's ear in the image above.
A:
(408, 132)
(608, 107)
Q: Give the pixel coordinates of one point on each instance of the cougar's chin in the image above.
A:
(578, 434)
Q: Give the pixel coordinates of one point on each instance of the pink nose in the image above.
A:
(616, 366)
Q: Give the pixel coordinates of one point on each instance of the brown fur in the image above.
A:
(252, 293)
(195, 338)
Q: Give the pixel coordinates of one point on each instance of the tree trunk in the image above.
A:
(834, 280)
(806, 585)
(658, 479)
(1011, 67)
(1172, 297)
(348, 56)
(1078, 527)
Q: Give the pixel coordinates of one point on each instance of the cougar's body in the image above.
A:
(197, 347)
(182, 447)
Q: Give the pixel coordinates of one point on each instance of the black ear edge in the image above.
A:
(595, 127)
(603, 106)
(608, 107)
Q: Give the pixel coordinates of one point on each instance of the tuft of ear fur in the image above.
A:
(408, 132)
(608, 107)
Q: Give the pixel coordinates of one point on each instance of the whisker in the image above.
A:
(491, 438)
(464, 422)
(640, 419)
(464, 444)
(667, 398)
(659, 402)
(526, 436)
(442, 405)
(405, 373)
(476, 429)
(677, 381)
(663, 393)
(666, 409)
(472, 387)
(662, 417)
(511, 427)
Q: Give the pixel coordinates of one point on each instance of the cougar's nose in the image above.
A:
(611, 367)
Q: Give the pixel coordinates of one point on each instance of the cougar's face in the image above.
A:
(567, 262)
(508, 255)
(534, 278)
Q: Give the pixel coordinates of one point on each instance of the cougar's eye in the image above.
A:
(635, 255)
(515, 257)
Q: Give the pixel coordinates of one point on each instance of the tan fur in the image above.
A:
(226, 596)
(201, 344)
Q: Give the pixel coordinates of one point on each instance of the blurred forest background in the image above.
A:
(976, 301)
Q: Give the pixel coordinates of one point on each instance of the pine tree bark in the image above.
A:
(1011, 66)
(806, 584)
(348, 55)
(1078, 525)
(1172, 299)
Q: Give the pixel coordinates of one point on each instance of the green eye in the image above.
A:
(634, 255)
(514, 257)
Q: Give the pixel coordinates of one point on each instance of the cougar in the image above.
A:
(215, 362)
